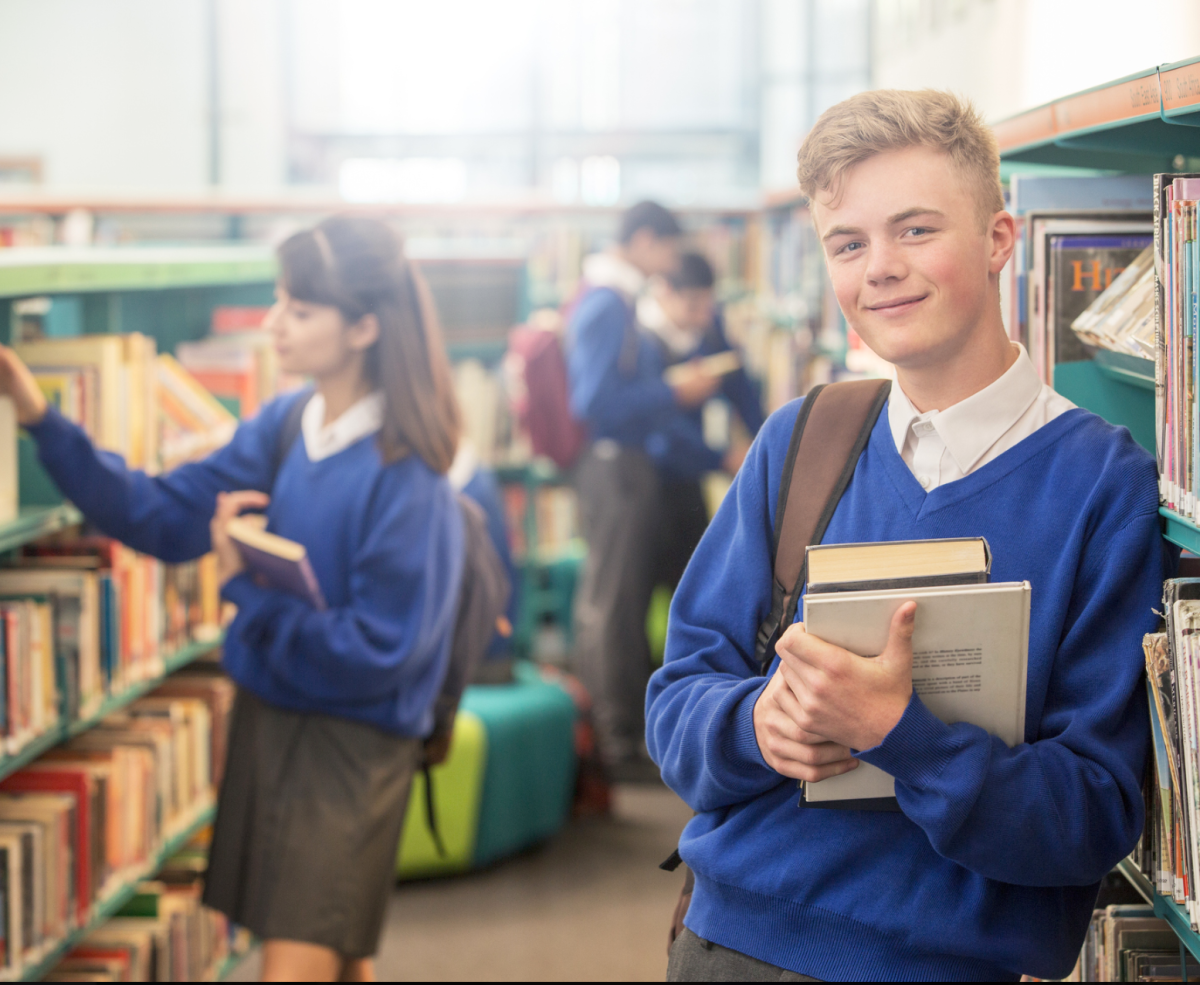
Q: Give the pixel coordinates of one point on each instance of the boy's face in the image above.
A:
(690, 308)
(913, 267)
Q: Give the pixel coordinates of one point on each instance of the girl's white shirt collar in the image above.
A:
(323, 440)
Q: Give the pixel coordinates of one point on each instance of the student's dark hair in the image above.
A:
(648, 215)
(357, 265)
(694, 271)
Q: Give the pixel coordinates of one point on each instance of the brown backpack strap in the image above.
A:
(831, 430)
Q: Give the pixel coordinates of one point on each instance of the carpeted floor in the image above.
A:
(591, 905)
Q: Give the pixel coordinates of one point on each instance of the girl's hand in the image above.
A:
(229, 505)
(17, 382)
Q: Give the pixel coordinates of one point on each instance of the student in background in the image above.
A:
(617, 390)
(989, 868)
(681, 312)
(332, 705)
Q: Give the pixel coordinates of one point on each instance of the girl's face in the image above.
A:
(314, 339)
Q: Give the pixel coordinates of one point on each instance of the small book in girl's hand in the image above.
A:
(274, 561)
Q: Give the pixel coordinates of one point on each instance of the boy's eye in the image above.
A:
(918, 230)
(852, 247)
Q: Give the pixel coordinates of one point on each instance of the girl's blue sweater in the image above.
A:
(991, 868)
(385, 543)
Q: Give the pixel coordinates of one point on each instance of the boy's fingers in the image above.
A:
(900, 632)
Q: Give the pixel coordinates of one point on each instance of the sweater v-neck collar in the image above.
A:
(923, 503)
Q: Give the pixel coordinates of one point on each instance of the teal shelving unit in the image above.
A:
(1143, 123)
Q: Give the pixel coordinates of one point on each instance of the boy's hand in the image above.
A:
(696, 387)
(229, 505)
(845, 698)
(788, 748)
(17, 381)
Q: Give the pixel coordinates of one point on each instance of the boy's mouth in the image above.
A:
(897, 306)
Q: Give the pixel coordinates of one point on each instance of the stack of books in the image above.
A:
(89, 818)
(1177, 260)
(1169, 848)
(1130, 944)
(192, 422)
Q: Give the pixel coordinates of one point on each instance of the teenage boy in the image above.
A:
(617, 390)
(991, 866)
(682, 314)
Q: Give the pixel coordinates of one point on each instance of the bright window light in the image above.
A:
(564, 180)
(600, 180)
(408, 179)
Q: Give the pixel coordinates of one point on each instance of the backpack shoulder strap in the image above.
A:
(289, 432)
(831, 430)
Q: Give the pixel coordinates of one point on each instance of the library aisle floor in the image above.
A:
(591, 905)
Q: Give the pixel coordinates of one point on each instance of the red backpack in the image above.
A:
(537, 376)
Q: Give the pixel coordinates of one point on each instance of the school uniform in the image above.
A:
(617, 390)
(332, 704)
(990, 869)
(678, 446)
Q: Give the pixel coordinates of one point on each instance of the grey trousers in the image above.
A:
(693, 959)
(619, 511)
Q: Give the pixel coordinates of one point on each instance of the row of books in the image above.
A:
(1169, 850)
(163, 934)
(90, 817)
(82, 619)
(1128, 943)
(1177, 251)
(555, 520)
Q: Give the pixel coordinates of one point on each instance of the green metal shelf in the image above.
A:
(1165, 908)
(66, 730)
(1180, 530)
(105, 909)
(1138, 123)
(37, 521)
(26, 272)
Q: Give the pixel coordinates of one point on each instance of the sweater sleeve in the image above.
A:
(166, 516)
(601, 395)
(700, 703)
(403, 592)
(1066, 806)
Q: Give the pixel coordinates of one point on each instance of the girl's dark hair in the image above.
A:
(357, 265)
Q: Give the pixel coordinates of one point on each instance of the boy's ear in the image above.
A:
(1002, 231)
(364, 333)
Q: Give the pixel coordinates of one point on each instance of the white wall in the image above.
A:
(1010, 55)
(113, 95)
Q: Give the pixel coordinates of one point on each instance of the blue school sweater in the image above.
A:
(385, 543)
(992, 866)
(678, 446)
(618, 397)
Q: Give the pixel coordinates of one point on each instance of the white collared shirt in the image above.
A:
(610, 270)
(322, 440)
(941, 446)
(679, 341)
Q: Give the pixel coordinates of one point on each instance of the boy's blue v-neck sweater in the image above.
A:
(385, 543)
(991, 868)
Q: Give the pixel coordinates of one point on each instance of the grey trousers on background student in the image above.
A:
(619, 511)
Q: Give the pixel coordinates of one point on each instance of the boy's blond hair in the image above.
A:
(869, 123)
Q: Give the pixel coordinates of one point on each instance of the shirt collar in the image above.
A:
(679, 341)
(971, 426)
(610, 270)
(323, 440)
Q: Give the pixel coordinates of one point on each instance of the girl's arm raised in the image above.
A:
(166, 516)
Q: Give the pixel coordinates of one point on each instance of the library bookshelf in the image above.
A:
(32, 525)
(167, 293)
(1141, 124)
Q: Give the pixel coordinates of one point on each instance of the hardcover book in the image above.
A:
(275, 561)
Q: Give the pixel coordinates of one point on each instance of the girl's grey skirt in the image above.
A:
(308, 821)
